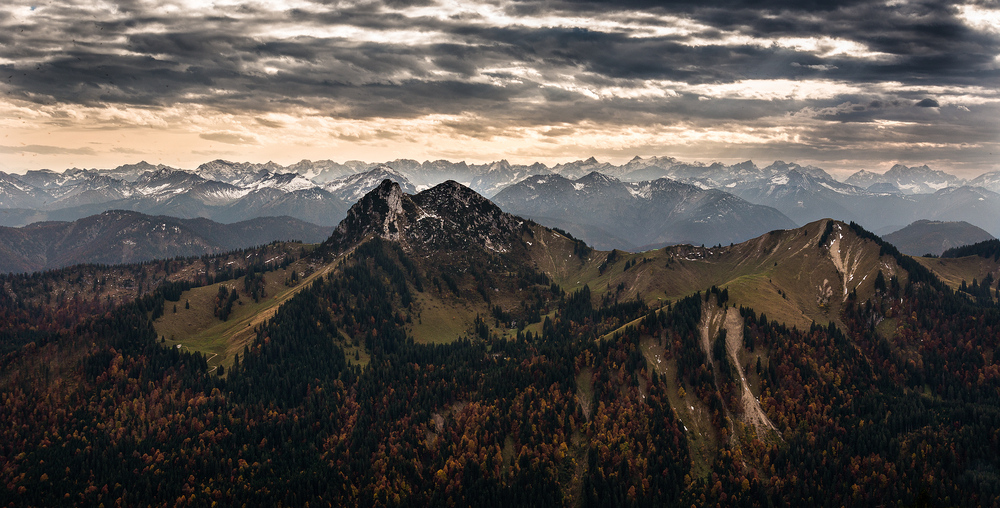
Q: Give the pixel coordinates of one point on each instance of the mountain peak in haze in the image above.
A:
(500, 165)
(934, 237)
(597, 178)
(353, 187)
(909, 180)
(608, 213)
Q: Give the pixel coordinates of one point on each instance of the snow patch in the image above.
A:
(640, 191)
(425, 215)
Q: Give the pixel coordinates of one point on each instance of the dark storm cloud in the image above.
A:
(926, 38)
(375, 59)
(694, 5)
(198, 54)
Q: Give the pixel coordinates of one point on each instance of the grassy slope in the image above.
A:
(783, 274)
(437, 316)
(443, 317)
(954, 270)
(197, 329)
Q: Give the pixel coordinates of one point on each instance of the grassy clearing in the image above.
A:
(534, 328)
(887, 328)
(356, 354)
(507, 453)
(440, 319)
(197, 329)
(585, 390)
(691, 411)
(761, 293)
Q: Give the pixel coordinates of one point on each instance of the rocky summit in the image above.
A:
(446, 216)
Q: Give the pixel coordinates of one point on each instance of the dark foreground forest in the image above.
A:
(96, 412)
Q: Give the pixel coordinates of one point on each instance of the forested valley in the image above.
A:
(901, 406)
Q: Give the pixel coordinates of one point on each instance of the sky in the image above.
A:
(843, 85)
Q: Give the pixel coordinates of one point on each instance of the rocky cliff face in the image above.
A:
(447, 216)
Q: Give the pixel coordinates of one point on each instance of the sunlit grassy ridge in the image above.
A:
(953, 271)
(786, 274)
(195, 327)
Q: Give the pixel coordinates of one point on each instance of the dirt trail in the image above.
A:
(206, 360)
(210, 359)
(711, 315)
(752, 411)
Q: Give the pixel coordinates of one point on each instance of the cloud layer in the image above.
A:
(842, 83)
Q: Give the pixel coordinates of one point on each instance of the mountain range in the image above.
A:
(321, 192)
(608, 213)
(905, 180)
(120, 236)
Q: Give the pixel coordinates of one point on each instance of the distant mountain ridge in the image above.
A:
(122, 236)
(609, 213)
(322, 191)
(488, 178)
(242, 192)
(351, 188)
(909, 180)
(935, 237)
